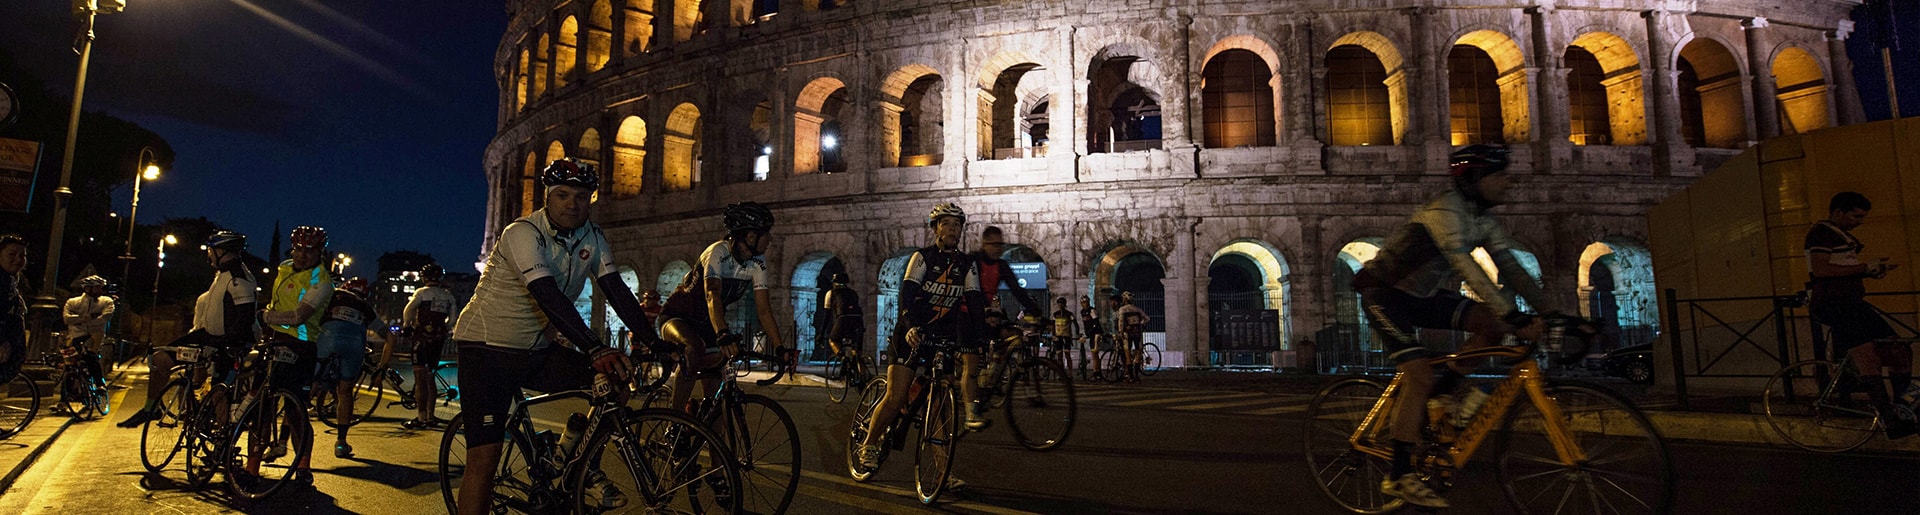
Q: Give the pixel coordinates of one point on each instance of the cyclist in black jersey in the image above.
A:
(848, 324)
(695, 317)
(343, 333)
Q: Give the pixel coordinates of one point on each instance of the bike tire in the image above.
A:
(453, 461)
(1150, 359)
(1041, 404)
(1624, 452)
(939, 437)
(1345, 475)
(74, 395)
(666, 462)
(19, 404)
(1802, 406)
(160, 438)
(274, 423)
(367, 394)
(99, 400)
(767, 446)
(862, 414)
(202, 440)
(837, 368)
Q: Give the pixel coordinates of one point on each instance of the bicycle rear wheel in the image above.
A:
(453, 461)
(1150, 359)
(766, 444)
(19, 402)
(862, 415)
(160, 437)
(366, 392)
(98, 399)
(1626, 468)
(74, 394)
(1348, 476)
(939, 435)
(837, 369)
(1040, 404)
(1807, 404)
(662, 462)
(204, 435)
(275, 433)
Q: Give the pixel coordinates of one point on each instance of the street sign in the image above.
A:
(1032, 276)
(19, 162)
(1246, 330)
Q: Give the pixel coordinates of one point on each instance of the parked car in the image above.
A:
(1634, 363)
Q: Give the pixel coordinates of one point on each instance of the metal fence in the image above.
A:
(1746, 337)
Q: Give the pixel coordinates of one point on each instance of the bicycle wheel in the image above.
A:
(1113, 369)
(160, 437)
(266, 442)
(662, 461)
(1040, 404)
(1626, 469)
(766, 444)
(862, 415)
(453, 461)
(1348, 476)
(98, 400)
(204, 436)
(1806, 405)
(1150, 359)
(367, 392)
(515, 490)
(19, 403)
(939, 434)
(73, 395)
(837, 369)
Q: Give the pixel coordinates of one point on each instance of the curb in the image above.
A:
(6, 483)
(1750, 429)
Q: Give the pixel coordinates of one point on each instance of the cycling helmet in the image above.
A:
(309, 237)
(571, 173)
(1469, 164)
(432, 272)
(227, 240)
(93, 280)
(356, 285)
(747, 216)
(946, 209)
(1126, 296)
(12, 239)
(839, 279)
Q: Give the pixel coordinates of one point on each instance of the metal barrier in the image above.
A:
(1694, 358)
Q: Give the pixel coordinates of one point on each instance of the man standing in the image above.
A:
(87, 315)
(13, 307)
(428, 322)
(849, 324)
(296, 306)
(1839, 301)
(1132, 324)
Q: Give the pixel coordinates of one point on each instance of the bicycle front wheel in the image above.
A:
(1626, 468)
(74, 394)
(266, 442)
(1040, 404)
(19, 402)
(836, 369)
(662, 461)
(1150, 359)
(862, 415)
(766, 444)
(453, 461)
(160, 437)
(1349, 475)
(939, 435)
(1808, 405)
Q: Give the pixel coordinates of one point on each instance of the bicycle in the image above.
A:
(1818, 405)
(851, 367)
(265, 426)
(445, 392)
(933, 397)
(82, 395)
(1037, 393)
(760, 433)
(1145, 360)
(1562, 438)
(661, 454)
(19, 403)
(367, 392)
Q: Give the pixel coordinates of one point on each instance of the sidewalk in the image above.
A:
(18, 452)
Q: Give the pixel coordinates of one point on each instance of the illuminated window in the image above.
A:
(682, 146)
(1236, 95)
(760, 139)
(1009, 132)
(629, 158)
(817, 131)
(1587, 99)
(1473, 97)
(1358, 107)
(566, 53)
(639, 24)
(599, 35)
(1127, 116)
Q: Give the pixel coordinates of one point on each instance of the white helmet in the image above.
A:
(946, 209)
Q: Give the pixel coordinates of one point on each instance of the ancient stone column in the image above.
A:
(1553, 150)
(1847, 99)
(1766, 105)
(1667, 142)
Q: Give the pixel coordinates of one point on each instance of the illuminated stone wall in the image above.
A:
(1080, 128)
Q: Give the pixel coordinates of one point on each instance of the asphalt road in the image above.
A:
(1135, 449)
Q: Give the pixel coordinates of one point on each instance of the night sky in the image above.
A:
(368, 118)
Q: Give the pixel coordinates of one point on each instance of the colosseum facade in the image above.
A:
(1221, 158)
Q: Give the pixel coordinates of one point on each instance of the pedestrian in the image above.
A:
(13, 307)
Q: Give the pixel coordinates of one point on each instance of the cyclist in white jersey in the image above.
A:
(695, 317)
(427, 322)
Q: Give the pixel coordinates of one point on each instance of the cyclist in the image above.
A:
(995, 272)
(224, 318)
(343, 333)
(696, 314)
(1838, 301)
(426, 322)
(1063, 331)
(849, 324)
(1415, 281)
(1132, 322)
(87, 315)
(13, 307)
(1091, 333)
(938, 296)
(541, 261)
(296, 306)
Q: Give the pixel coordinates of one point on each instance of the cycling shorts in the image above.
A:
(1394, 314)
(347, 340)
(299, 377)
(899, 352)
(427, 351)
(1854, 321)
(490, 378)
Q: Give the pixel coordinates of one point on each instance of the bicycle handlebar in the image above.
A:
(781, 366)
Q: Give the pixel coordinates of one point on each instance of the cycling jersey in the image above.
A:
(87, 316)
(1433, 252)
(934, 288)
(214, 311)
(995, 272)
(350, 308)
(1090, 323)
(1841, 249)
(1062, 323)
(502, 312)
(737, 278)
(343, 332)
(1132, 318)
(312, 287)
(428, 313)
(844, 304)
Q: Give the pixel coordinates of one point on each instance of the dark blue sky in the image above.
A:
(366, 117)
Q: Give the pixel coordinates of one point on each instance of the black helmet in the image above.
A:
(747, 216)
(432, 272)
(227, 240)
(570, 172)
(839, 279)
(1469, 164)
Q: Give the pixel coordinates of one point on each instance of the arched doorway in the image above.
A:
(887, 310)
(1131, 267)
(1348, 343)
(1247, 283)
(670, 277)
(811, 320)
(1617, 290)
(617, 328)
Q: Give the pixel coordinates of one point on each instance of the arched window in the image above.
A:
(599, 35)
(1801, 89)
(1359, 110)
(555, 152)
(542, 59)
(682, 146)
(1128, 114)
(1001, 113)
(567, 52)
(1713, 109)
(1606, 103)
(1473, 97)
(912, 102)
(686, 18)
(530, 198)
(760, 140)
(520, 82)
(629, 158)
(1587, 99)
(638, 22)
(588, 151)
(1236, 98)
(817, 131)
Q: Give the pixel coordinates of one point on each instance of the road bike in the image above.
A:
(757, 430)
(367, 391)
(851, 368)
(444, 392)
(1822, 406)
(19, 403)
(221, 432)
(1036, 393)
(932, 408)
(652, 460)
(82, 395)
(1559, 447)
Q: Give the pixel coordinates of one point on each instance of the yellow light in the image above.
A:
(172, 240)
(153, 172)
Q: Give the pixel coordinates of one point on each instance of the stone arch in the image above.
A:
(1622, 102)
(681, 145)
(520, 82)
(670, 277)
(1617, 290)
(1274, 276)
(1528, 261)
(686, 16)
(1132, 265)
(566, 51)
(542, 59)
(759, 139)
(1507, 76)
(1003, 77)
(887, 308)
(817, 129)
(555, 152)
(530, 198)
(811, 279)
(1353, 103)
(1239, 99)
(599, 26)
(912, 101)
(1123, 106)
(1351, 343)
(1800, 87)
(629, 158)
(1713, 106)
(638, 22)
(588, 150)
(617, 327)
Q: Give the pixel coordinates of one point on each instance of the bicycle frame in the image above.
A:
(1524, 377)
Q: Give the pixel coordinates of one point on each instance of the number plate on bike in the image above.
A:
(285, 355)
(186, 354)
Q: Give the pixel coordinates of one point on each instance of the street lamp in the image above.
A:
(159, 261)
(146, 169)
(340, 264)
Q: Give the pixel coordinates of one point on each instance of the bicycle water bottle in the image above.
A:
(576, 425)
(1476, 397)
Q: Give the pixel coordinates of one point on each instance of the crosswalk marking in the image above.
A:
(1167, 400)
(1238, 403)
(1303, 407)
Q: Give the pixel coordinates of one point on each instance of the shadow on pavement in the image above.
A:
(398, 476)
(291, 498)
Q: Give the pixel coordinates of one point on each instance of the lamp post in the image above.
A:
(340, 264)
(45, 302)
(159, 261)
(146, 170)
